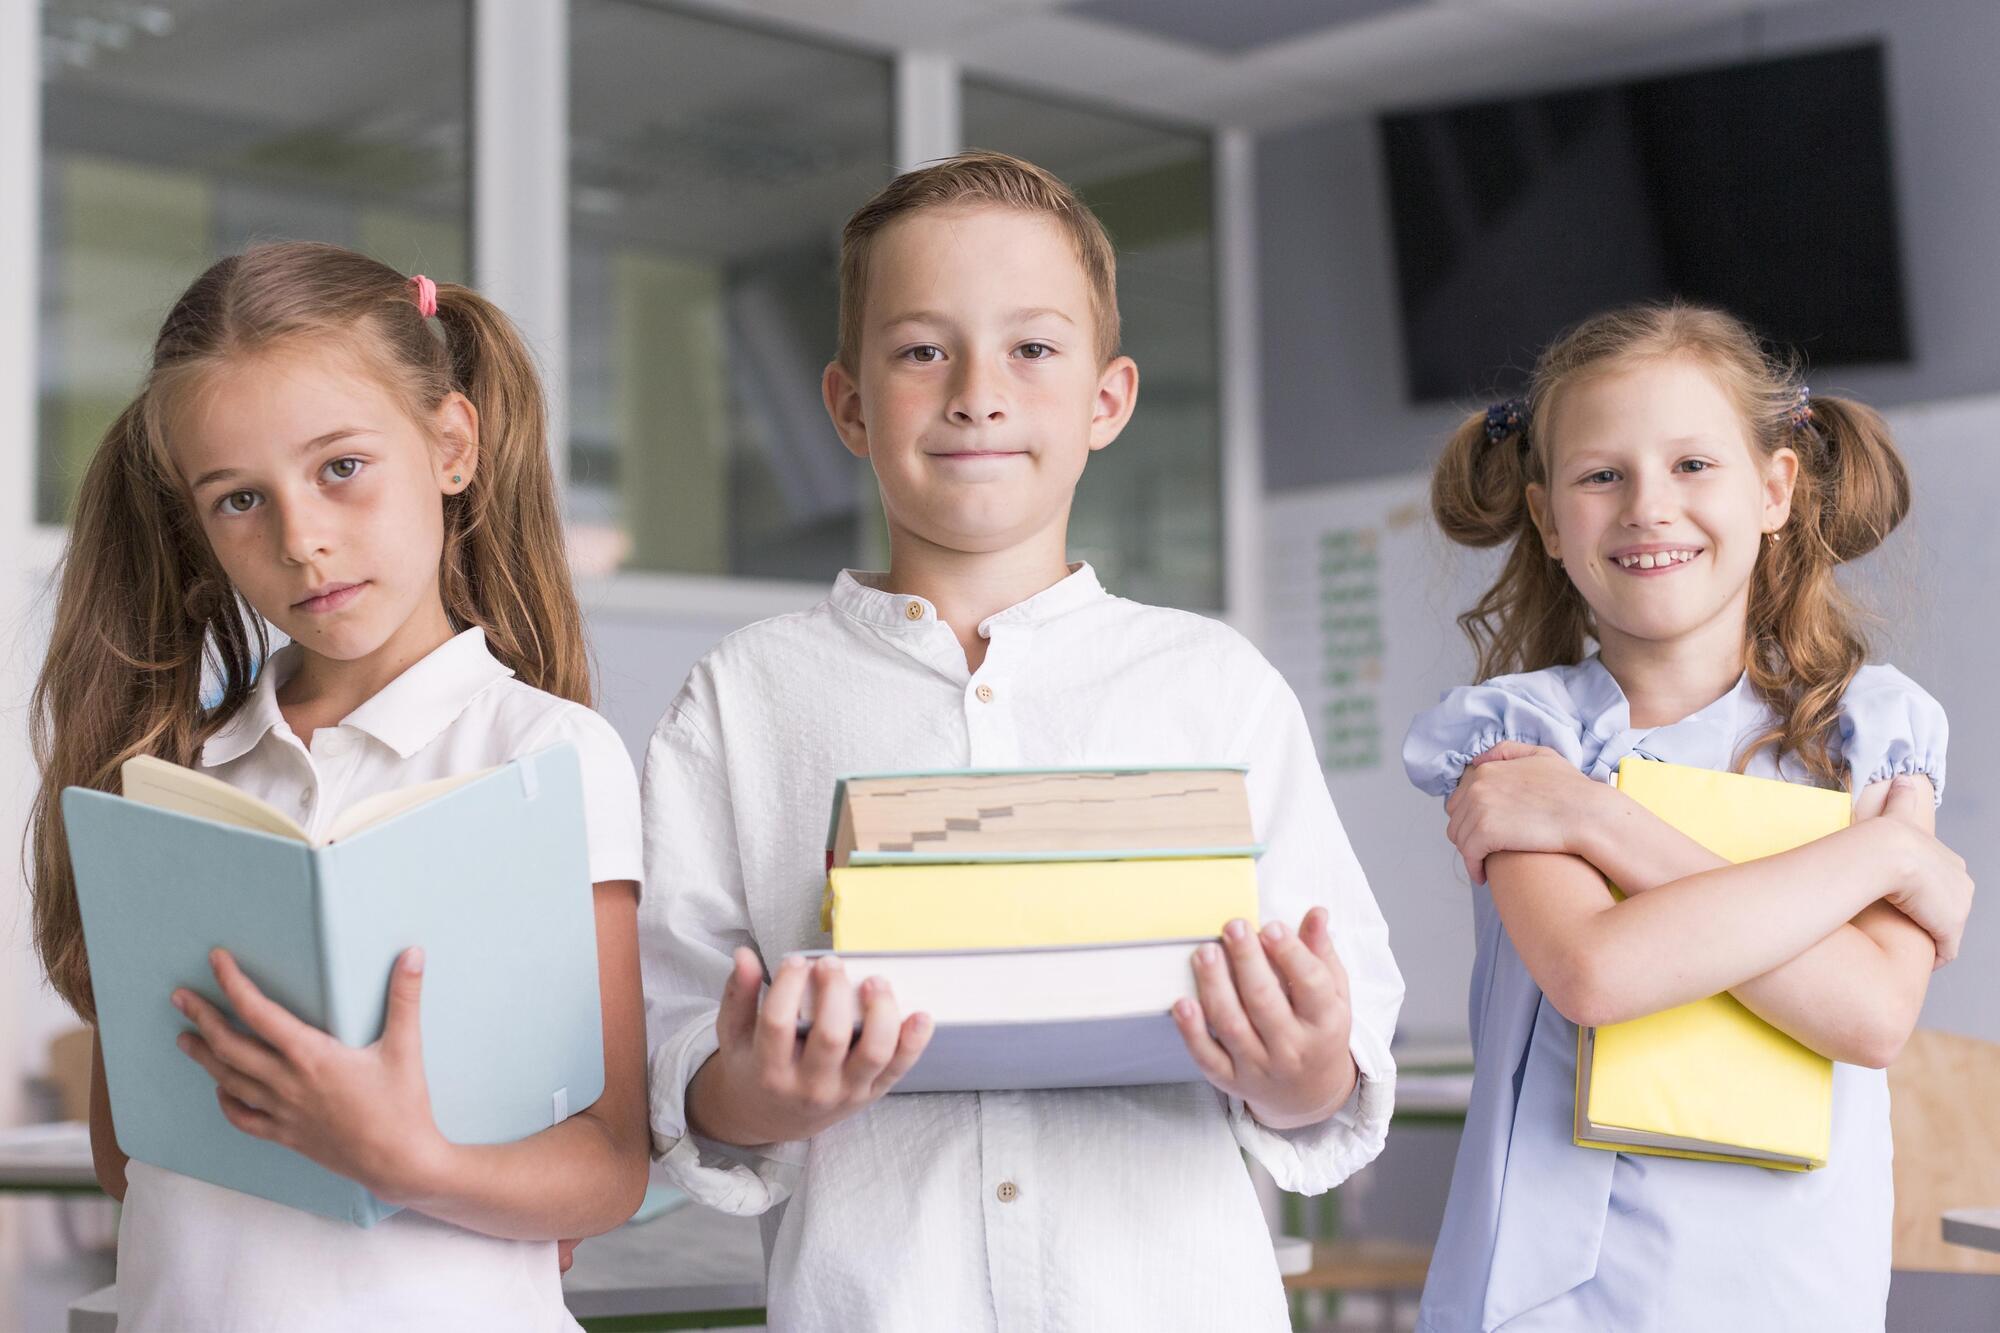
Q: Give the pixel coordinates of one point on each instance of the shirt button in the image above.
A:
(1008, 1191)
(985, 693)
(914, 611)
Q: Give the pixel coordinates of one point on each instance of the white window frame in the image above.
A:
(520, 257)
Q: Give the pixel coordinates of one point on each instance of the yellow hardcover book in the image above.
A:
(1711, 1080)
(1036, 904)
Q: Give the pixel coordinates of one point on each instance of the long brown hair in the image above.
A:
(1802, 644)
(143, 608)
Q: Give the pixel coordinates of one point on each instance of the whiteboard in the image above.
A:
(1361, 597)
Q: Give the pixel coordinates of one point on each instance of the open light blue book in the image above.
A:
(489, 873)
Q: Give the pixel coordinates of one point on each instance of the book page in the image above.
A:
(166, 786)
(383, 806)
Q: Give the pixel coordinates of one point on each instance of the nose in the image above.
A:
(1649, 502)
(979, 395)
(303, 534)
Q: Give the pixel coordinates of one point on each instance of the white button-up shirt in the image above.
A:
(1079, 1209)
(192, 1255)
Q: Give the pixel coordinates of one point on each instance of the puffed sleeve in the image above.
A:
(1471, 719)
(1890, 726)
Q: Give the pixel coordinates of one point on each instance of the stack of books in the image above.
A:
(1046, 920)
(1711, 1080)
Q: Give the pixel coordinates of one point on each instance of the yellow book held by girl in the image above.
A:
(1711, 1080)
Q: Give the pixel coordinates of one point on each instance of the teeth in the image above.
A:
(1656, 559)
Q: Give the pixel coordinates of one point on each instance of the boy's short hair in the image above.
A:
(978, 177)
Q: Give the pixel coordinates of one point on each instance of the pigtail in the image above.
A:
(505, 566)
(1533, 615)
(1806, 643)
(140, 600)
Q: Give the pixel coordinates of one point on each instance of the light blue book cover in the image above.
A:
(492, 878)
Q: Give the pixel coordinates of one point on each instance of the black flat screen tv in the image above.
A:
(1764, 188)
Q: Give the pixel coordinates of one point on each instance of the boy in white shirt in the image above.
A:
(978, 369)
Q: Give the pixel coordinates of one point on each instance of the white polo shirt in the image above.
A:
(193, 1256)
(1099, 1209)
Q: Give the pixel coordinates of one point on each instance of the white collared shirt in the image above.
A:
(195, 1256)
(1087, 1209)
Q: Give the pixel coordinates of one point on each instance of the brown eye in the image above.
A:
(343, 468)
(238, 502)
(925, 355)
(1037, 351)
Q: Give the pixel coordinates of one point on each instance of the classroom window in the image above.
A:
(173, 134)
(711, 167)
(1149, 511)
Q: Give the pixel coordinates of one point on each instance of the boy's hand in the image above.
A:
(365, 1114)
(1277, 1005)
(766, 1085)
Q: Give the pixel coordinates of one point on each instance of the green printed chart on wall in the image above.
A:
(1362, 595)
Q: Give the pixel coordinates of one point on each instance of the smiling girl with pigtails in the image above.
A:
(1676, 498)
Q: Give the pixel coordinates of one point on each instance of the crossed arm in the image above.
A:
(1832, 943)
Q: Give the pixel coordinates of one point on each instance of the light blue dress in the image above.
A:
(1541, 1234)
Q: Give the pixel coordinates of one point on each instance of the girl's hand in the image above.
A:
(1519, 798)
(765, 1085)
(365, 1114)
(1277, 1005)
(1932, 887)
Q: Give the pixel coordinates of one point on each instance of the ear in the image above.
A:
(1538, 513)
(1117, 396)
(841, 392)
(1781, 477)
(456, 426)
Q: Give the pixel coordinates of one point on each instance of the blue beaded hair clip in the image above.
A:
(1504, 419)
(1801, 408)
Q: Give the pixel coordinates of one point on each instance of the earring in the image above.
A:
(1776, 535)
(455, 479)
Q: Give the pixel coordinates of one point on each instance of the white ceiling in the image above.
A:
(1391, 55)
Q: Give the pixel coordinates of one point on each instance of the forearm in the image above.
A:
(1845, 996)
(1606, 961)
(719, 1111)
(582, 1177)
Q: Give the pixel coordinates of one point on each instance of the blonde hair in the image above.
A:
(1802, 643)
(978, 177)
(142, 602)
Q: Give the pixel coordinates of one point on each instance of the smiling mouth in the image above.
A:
(1657, 559)
(332, 599)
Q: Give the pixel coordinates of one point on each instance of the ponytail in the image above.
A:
(1805, 641)
(504, 566)
(140, 602)
(1479, 495)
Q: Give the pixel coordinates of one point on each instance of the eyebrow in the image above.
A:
(317, 442)
(939, 317)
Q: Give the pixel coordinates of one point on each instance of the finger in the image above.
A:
(832, 1032)
(246, 1118)
(565, 1254)
(402, 1028)
(1210, 1057)
(880, 1026)
(232, 1081)
(1257, 984)
(1215, 988)
(1509, 750)
(244, 1054)
(1314, 997)
(911, 1041)
(262, 1015)
(736, 1024)
(778, 1019)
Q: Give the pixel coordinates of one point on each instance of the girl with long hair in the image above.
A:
(360, 460)
(1676, 500)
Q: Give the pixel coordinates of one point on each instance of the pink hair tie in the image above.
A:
(427, 295)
